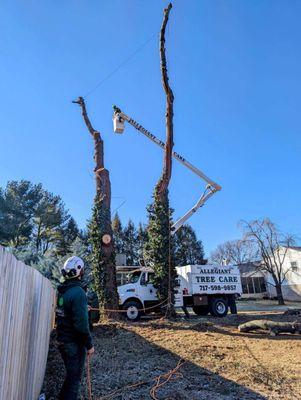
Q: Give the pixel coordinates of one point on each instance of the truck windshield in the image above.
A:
(134, 277)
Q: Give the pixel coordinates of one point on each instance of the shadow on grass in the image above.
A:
(123, 357)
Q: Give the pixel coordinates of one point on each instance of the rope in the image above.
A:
(89, 385)
(125, 61)
(160, 381)
(165, 378)
(124, 311)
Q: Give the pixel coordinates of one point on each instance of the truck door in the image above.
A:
(147, 291)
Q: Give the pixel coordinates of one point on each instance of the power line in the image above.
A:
(125, 61)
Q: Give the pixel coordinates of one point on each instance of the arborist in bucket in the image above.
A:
(73, 334)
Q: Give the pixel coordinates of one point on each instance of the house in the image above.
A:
(260, 284)
(291, 287)
(253, 281)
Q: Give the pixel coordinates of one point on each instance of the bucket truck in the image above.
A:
(205, 288)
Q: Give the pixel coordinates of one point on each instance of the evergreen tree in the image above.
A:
(102, 261)
(18, 203)
(188, 250)
(159, 251)
(50, 218)
(130, 244)
(118, 234)
(66, 236)
(48, 264)
(141, 242)
(32, 217)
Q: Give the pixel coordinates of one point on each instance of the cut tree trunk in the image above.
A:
(103, 199)
(163, 183)
(274, 328)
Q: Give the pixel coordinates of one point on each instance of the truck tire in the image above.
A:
(132, 308)
(201, 310)
(218, 307)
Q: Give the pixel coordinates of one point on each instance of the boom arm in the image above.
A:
(212, 187)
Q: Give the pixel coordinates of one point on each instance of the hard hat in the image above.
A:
(73, 267)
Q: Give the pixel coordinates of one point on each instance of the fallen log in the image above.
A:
(295, 311)
(274, 328)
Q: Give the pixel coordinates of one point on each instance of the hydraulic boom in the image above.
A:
(212, 187)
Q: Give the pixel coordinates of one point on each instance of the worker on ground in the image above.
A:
(73, 334)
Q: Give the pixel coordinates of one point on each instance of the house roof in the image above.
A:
(298, 248)
(248, 267)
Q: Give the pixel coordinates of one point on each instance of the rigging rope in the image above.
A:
(125, 61)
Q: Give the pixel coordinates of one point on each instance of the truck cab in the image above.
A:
(138, 294)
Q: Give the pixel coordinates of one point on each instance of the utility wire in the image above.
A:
(125, 61)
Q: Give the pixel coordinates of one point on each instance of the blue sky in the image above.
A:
(235, 71)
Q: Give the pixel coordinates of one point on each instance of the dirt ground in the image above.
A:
(221, 363)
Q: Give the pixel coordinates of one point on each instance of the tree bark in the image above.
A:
(279, 294)
(103, 199)
(162, 185)
(274, 328)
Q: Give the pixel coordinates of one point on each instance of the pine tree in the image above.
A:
(66, 237)
(130, 243)
(18, 203)
(188, 249)
(102, 258)
(159, 252)
(141, 242)
(118, 234)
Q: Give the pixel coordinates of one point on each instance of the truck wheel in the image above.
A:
(132, 310)
(218, 307)
(201, 310)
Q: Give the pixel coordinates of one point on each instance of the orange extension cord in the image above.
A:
(160, 381)
(124, 311)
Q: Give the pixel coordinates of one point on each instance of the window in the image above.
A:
(294, 266)
(146, 278)
(263, 287)
(252, 284)
(244, 285)
(134, 277)
(256, 285)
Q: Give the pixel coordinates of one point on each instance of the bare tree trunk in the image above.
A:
(107, 276)
(279, 294)
(162, 186)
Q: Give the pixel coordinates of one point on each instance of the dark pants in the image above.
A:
(73, 355)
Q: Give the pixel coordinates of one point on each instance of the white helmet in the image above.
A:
(72, 267)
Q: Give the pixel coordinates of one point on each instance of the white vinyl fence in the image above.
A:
(27, 301)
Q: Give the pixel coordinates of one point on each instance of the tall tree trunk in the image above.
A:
(101, 237)
(160, 246)
(163, 183)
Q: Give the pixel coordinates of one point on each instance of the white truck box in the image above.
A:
(210, 279)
